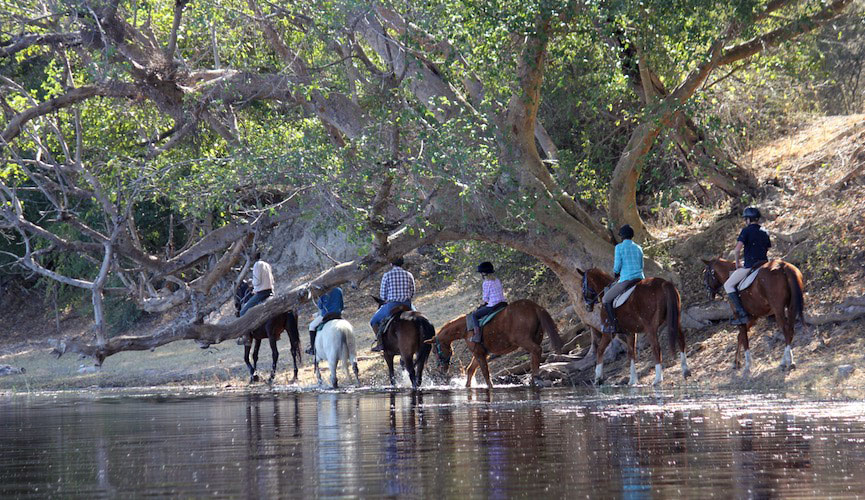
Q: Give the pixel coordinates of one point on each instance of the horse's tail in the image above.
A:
(293, 332)
(549, 326)
(674, 320)
(797, 297)
(350, 344)
(426, 329)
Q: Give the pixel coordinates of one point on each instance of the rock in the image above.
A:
(11, 370)
(88, 369)
(845, 370)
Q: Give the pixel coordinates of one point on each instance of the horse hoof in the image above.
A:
(253, 378)
(686, 374)
(599, 382)
(792, 366)
(746, 373)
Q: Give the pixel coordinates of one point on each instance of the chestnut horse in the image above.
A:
(271, 330)
(521, 324)
(405, 336)
(777, 290)
(654, 302)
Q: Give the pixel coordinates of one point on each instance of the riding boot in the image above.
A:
(476, 338)
(379, 343)
(741, 316)
(311, 350)
(611, 325)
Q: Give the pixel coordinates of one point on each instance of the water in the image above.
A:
(515, 442)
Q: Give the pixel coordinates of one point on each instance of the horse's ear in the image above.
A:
(580, 271)
(707, 262)
(429, 341)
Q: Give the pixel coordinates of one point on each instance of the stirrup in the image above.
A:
(739, 320)
(310, 350)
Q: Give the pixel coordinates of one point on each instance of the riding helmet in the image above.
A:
(751, 213)
(486, 268)
(626, 232)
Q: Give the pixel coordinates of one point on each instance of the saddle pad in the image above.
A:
(621, 299)
(745, 283)
(489, 317)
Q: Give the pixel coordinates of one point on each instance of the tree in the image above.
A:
(418, 125)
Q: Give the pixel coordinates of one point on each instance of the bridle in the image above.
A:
(709, 274)
(590, 297)
(444, 359)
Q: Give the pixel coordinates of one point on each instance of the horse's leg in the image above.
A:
(333, 362)
(408, 362)
(603, 342)
(485, 369)
(422, 356)
(743, 341)
(317, 370)
(535, 352)
(388, 358)
(274, 354)
(254, 377)
(787, 323)
(246, 348)
(631, 344)
(652, 333)
(470, 371)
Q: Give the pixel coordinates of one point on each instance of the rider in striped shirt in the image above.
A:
(493, 296)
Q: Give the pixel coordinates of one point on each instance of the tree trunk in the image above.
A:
(623, 187)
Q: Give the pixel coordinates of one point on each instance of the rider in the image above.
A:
(330, 307)
(397, 288)
(262, 284)
(493, 295)
(628, 267)
(755, 241)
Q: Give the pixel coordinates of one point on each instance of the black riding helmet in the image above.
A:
(486, 268)
(626, 232)
(751, 213)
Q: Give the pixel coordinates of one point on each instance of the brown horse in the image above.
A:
(272, 331)
(405, 336)
(777, 290)
(654, 302)
(521, 324)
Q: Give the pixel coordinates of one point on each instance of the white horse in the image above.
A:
(335, 343)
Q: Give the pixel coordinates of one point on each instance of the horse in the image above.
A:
(405, 336)
(271, 330)
(521, 324)
(654, 302)
(777, 290)
(335, 343)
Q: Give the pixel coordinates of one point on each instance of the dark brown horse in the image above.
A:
(272, 331)
(777, 290)
(521, 324)
(405, 336)
(654, 302)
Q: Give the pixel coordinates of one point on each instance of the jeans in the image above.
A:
(383, 312)
(256, 299)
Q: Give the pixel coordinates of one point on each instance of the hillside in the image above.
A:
(812, 193)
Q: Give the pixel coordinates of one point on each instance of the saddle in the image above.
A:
(755, 269)
(390, 319)
(621, 299)
(327, 317)
(485, 319)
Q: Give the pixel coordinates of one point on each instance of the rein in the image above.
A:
(444, 360)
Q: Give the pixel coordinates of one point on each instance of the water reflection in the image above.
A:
(439, 443)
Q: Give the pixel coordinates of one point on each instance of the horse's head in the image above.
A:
(714, 275)
(594, 281)
(239, 294)
(441, 345)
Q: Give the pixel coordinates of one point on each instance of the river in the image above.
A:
(515, 442)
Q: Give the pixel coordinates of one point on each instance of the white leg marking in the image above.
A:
(659, 376)
(633, 380)
(599, 368)
(747, 370)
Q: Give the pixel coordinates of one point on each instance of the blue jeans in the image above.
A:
(383, 312)
(256, 299)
